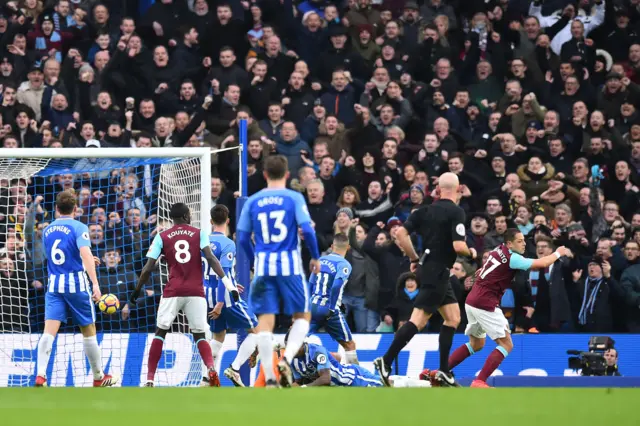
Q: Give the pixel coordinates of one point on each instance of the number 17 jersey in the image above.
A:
(274, 215)
(181, 245)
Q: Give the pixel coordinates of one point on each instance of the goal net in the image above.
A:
(124, 196)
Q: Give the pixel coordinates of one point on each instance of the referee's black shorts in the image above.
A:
(435, 288)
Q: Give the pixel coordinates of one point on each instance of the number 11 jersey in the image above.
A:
(274, 215)
(181, 245)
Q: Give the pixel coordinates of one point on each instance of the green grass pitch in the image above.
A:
(326, 406)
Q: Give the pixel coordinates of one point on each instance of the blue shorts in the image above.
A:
(268, 292)
(237, 317)
(333, 322)
(58, 306)
(361, 377)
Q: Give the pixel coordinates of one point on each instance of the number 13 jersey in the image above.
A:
(274, 215)
(181, 245)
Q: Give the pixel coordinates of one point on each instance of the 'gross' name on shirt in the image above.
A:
(270, 200)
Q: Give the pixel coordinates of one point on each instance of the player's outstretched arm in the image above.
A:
(548, 260)
(143, 279)
(217, 268)
(90, 267)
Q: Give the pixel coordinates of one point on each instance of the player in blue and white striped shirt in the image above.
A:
(327, 287)
(273, 216)
(226, 313)
(69, 291)
(313, 365)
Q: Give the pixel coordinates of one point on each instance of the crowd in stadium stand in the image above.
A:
(370, 101)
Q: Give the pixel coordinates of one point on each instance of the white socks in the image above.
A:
(265, 354)
(44, 352)
(245, 350)
(408, 382)
(297, 334)
(215, 348)
(351, 357)
(92, 350)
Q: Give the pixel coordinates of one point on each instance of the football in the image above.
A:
(109, 304)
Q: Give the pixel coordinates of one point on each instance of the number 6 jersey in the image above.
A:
(181, 245)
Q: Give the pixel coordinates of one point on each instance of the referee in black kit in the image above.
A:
(441, 226)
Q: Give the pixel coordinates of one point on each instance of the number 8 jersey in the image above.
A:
(181, 245)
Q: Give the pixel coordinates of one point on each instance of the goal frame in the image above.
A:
(204, 154)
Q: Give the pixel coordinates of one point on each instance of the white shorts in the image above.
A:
(481, 322)
(194, 307)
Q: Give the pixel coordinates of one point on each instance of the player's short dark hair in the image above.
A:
(219, 214)
(341, 239)
(276, 166)
(511, 234)
(66, 202)
(456, 155)
(178, 211)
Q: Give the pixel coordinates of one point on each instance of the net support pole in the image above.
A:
(242, 262)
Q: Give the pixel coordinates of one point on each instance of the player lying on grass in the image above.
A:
(482, 304)
(327, 287)
(226, 313)
(69, 291)
(313, 365)
(184, 291)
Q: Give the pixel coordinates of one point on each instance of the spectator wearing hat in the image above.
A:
(477, 231)
(339, 55)
(364, 43)
(617, 89)
(362, 14)
(399, 310)
(409, 201)
(594, 290)
(31, 91)
(622, 35)
(309, 33)
(46, 40)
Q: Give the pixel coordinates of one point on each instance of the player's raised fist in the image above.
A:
(563, 251)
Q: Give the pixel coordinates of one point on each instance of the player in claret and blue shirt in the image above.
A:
(482, 304)
(69, 290)
(326, 297)
(182, 246)
(226, 313)
(273, 216)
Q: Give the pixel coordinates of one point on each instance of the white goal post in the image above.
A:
(124, 196)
